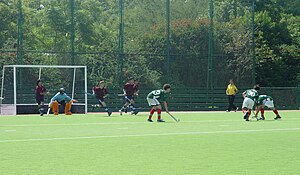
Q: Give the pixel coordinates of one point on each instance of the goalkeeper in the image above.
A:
(61, 98)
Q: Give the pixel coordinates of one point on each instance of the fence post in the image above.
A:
(121, 43)
(253, 43)
(20, 42)
(168, 38)
(210, 55)
(20, 34)
(298, 97)
(72, 31)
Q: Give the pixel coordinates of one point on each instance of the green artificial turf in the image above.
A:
(202, 143)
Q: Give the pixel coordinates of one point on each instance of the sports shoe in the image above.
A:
(160, 120)
(227, 110)
(149, 120)
(254, 117)
(134, 112)
(260, 118)
(120, 112)
(236, 109)
(109, 113)
(41, 110)
(277, 117)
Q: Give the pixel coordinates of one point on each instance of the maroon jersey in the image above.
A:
(39, 90)
(100, 92)
(129, 88)
(135, 88)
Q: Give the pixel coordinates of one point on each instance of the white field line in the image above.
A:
(146, 135)
(113, 123)
(124, 123)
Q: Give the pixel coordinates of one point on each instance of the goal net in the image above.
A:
(19, 82)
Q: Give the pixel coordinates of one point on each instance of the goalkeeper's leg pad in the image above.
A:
(55, 107)
(68, 108)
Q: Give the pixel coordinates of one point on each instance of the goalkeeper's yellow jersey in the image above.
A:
(231, 89)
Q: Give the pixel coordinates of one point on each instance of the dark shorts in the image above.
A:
(63, 103)
(100, 101)
(128, 98)
(39, 100)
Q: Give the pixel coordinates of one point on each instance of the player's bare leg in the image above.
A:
(247, 113)
(41, 108)
(103, 104)
(132, 107)
(124, 107)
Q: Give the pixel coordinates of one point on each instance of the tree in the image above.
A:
(277, 45)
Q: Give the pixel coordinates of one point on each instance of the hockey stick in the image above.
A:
(88, 93)
(123, 95)
(48, 111)
(177, 120)
(120, 95)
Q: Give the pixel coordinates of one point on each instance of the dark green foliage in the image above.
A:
(277, 43)
(47, 37)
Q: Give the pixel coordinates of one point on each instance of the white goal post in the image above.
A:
(12, 108)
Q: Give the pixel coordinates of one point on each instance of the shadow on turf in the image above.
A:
(268, 120)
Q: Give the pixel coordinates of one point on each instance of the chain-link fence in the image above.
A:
(189, 43)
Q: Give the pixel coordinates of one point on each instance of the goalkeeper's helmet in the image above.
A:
(62, 90)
